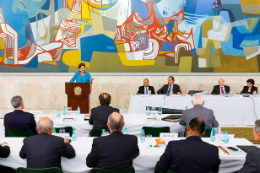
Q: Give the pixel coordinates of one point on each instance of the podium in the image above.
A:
(78, 95)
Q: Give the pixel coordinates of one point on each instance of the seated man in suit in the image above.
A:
(198, 111)
(19, 120)
(252, 163)
(221, 88)
(116, 151)
(4, 153)
(99, 115)
(145, 88)
(180, 157)
(166, 89)
(45, 150)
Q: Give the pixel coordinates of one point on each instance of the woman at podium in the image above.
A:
(82, 76)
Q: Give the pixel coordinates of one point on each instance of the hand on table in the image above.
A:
(5, 143)
(66, 140)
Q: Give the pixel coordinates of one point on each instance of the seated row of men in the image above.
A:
(221, 88)
(117, 150)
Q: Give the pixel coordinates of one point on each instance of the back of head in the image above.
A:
(104, 99)
(16, 101)
(198, 99)
(197, 125)
(257, 130)
(45, 125)
(116, 122)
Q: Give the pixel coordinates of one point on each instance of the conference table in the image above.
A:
(233, 110)
(144, 163)
(133, 122)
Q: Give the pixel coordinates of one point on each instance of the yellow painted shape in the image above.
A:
(127, 62)
(49, 62)
(73, 15)
(110, 34)
(217, 45)
(70, 3)
(250, 2)
(97, 24)
(85, 14)
(120, 47)
(185, 64)
(45, 35)
(73, 58)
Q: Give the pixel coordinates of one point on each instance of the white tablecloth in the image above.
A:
(133, 123)
(229, 111)
(144, 163)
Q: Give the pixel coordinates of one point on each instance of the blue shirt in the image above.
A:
(81, 79)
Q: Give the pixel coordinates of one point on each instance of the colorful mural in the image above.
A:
(183, 36)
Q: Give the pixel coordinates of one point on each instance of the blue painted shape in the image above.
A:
(139, 7)
(194, 52)
(237, 38)
(99, 43)
(33, 63)
(225, 16)
(170, 26)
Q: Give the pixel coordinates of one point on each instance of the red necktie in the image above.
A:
(222, 90)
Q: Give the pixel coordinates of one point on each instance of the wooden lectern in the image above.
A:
(78, 95)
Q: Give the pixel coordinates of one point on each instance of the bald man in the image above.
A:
(45, 150)
(115, 151)
(99, 115)
(145, 88)
(221, 88)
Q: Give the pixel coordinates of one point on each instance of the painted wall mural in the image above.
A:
(180, 36)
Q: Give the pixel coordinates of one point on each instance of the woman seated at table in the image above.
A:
(82, 76)
(250, 88)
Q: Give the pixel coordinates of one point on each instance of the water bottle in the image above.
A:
(171, 93)
(64, 110)
(103, 133)
(120, 110)
(54, 131)
(125, 131)
(142, 136)
(78, 111)
(74, 134)
(148, 110)
(187, 107)
(58, 113)
(160, 111)
(213, 135)
(226, 140)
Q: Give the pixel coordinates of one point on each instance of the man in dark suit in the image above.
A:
(252, 163)
(198, 110)
(4, 153)
(115, 151)
(221, 88)
(190, 154)
(145, 88)
(18, 119)
(166, 89)
(45, 150)
(99, 115)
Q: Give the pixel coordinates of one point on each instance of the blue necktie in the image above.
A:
(146, 90)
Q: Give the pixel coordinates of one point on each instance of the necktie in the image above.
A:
(169, 90)
(222, 90)
(146, 90)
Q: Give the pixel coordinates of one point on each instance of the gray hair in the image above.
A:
(16, 101)
(114, 125)
(146, 79)
(45, 127)
(198, 99)
(257, 126)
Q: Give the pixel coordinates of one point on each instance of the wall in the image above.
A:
(48, 92)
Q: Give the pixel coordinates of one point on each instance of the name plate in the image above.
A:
(229, 136)
(237, 95)
(72, 112)
(169, 135)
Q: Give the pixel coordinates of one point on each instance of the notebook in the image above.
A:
(247, 148)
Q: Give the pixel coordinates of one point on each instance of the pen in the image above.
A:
(222, 149)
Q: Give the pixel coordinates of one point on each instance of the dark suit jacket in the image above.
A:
(99, 116)
(245, 90)
(216, 89)
(141, 90)
(176, 88)
(44, 151)
(200, 112)
(20, 120)
(191, 155)
(4, 153)
(252, 163)
(115, 151)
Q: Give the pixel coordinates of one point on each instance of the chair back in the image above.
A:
(20, 133)
(45, 170)
(97, 132)
(67, 129)
(155, 131)
(126, 170)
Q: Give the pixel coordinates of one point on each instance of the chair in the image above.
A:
(67, 130)
(20, 133)
(45, 170)
(97, 132)
(155, 131)
(170, 171)
(126, 170)
(207, 133)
